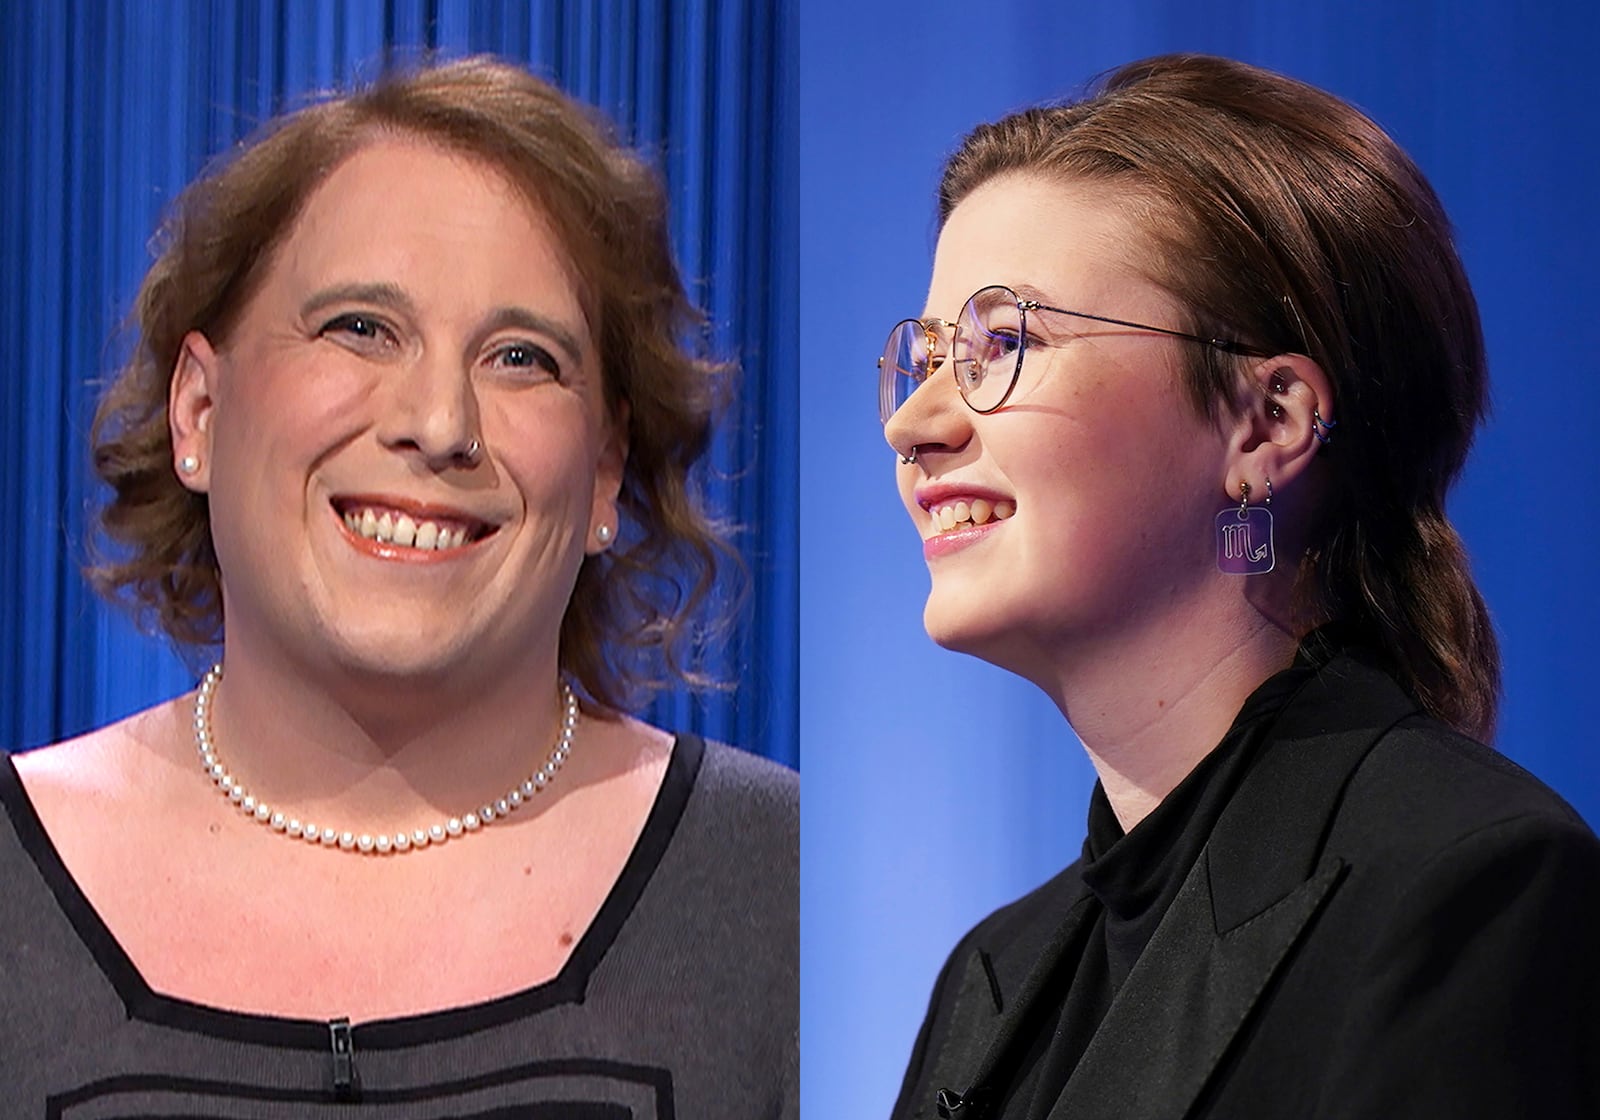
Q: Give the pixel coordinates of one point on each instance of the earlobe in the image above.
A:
(609, 472)
(190, 399)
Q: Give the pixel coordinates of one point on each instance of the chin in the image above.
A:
(410, 657)
(981, 630)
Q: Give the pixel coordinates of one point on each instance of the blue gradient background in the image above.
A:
(937, 787)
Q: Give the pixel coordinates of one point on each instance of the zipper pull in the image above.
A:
(345, 1085)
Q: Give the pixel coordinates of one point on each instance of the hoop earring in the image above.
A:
(1244, 536)
(1319, 426)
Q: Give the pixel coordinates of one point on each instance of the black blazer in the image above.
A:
(1389, 920)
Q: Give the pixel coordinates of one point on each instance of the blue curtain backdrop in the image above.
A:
(938, 788)
(111, 106)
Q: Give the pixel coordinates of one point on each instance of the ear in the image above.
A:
(608, 475)
(1276, 432)
(190, 397)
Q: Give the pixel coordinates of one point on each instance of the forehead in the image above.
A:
(1070, 240)
(404, 210)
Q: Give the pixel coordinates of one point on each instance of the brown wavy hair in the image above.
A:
(1280, 215)
(628, 629)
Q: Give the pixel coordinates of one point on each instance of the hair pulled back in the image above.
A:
(1281, 215)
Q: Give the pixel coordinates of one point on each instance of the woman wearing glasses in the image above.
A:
(1198, 366)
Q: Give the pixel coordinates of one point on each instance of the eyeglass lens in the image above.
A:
(985, 353)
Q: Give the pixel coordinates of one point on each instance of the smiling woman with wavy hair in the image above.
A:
(407, 434)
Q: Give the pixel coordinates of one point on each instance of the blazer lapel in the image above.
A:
(1243, 906)
(998, 998)
(1183, 1002)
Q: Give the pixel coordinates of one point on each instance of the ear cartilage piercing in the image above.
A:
(1319, 426)
(188, 464)
(907, 460)
(602, 533)
(1276, 387)
(1268, 502)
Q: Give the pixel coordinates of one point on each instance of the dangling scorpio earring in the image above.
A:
(1244, 536)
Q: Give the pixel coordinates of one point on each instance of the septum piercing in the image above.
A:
(907, 460)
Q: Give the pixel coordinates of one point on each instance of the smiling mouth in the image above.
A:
(400, 529)
(965, 514)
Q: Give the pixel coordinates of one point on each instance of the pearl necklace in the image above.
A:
(367, 843)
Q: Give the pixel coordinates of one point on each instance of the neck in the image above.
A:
(1150, 705)
(360, 750)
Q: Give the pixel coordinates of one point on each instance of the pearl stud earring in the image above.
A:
(603, 534)
(188, 464)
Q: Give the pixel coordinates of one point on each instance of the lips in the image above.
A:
(407, 526)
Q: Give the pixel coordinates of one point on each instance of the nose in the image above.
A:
(933, 418)
(432, 412)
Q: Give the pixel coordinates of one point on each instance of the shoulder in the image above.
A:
(740, 824)
(746, 786)
(1018, 925)
(1423, 789)
(78, 781)
(1005, 945)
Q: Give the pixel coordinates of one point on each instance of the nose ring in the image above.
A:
(472, 452)
(907, 460)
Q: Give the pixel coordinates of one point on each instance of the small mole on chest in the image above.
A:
(566, 937)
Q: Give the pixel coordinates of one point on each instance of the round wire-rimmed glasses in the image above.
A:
(988, 341)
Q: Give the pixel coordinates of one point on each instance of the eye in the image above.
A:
(527, 360)
(360, 331)
(998, 342)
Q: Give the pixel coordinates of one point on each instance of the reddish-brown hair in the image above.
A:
(626, 628)
(1282, 216)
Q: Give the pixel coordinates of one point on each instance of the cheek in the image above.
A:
(294, 403)
(552, 453)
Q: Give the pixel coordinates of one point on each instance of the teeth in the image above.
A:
(404, 530)
(964, 513)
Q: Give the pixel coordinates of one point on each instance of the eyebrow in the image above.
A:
(523, 319)
(392, 296)
(384, 295)
(1027, 292)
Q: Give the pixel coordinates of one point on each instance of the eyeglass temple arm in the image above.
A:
(1223, 344)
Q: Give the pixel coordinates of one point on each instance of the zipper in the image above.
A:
(346, 1086)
